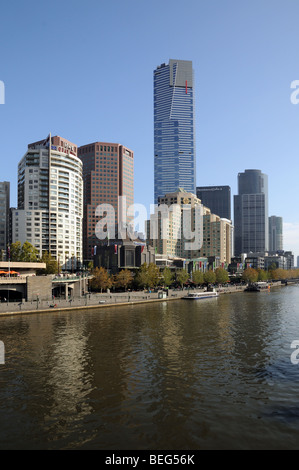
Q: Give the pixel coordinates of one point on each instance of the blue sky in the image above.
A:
(84, 70)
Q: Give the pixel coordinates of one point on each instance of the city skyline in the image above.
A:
(244, 115)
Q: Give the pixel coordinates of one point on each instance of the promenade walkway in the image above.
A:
(99, 300)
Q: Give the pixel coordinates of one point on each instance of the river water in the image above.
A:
(179, 375)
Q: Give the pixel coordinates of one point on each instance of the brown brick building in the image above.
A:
(108, 173)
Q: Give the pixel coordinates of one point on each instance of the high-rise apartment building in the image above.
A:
(4, 215)
(174, 128)
(275, 233)
(251, 222)
(108, 172)
(217, 199)
(50, 200)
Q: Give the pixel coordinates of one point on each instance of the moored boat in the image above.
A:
(201, 295)
(257, 287)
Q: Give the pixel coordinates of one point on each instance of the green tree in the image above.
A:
(182, 277)
(15, 251)
(250, 275)
(142, 276)
(209, 277)
(154, 275)
(26, 253)
(123, 279)
(29, 253)
(262, 275)
(167, 276)
(101, 279)
(51, 263)
(148, 275)
(221, 276)
(197, 277)
(90, 266)
(272, 266)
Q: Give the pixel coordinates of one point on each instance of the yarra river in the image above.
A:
(178, 375)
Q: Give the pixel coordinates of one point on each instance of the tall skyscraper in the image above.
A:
(4, 215)
(108, 172)
(50, 200)
(216, 198)
(275, 233)
(174, 128)
(251, 213)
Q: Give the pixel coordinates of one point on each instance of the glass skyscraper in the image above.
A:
(216, 198)
(251, 213)
(174, 128)
(275, 233)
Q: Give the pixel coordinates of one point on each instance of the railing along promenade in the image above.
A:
(96, 300)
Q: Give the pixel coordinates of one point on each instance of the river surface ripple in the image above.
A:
(214, 374)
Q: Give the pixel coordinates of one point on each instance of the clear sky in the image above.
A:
(84, 70)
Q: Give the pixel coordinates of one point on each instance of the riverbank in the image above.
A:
(105, 300)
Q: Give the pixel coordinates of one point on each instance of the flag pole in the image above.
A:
(8, 260)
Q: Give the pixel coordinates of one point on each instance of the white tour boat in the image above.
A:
(201, 295)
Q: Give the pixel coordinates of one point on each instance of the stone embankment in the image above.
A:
(92, 301)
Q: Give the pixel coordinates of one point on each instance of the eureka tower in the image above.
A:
(174, 136)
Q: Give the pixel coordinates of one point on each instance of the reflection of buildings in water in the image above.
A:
(69, 378)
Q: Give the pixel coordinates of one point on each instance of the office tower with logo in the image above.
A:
(108, 173)
(251, 220)
(4, 216)
(217, 199)
(174, 128)
(50, 201)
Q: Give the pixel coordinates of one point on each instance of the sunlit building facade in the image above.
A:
(50, 201)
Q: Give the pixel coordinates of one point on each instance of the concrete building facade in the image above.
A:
(166, 230)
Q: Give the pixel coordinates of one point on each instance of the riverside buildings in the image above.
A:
(251, 213)
(174, 128)
(189, 230)
(108, 172)
(4, 215)
(50, 200)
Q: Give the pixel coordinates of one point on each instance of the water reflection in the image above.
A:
(172, 375)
